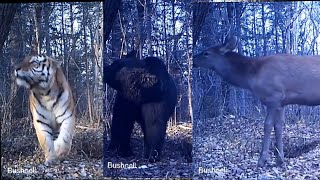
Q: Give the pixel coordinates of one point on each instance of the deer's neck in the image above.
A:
(237, 70)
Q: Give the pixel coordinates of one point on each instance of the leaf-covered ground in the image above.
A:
(228, 148)
(20, 152)
(176, 160)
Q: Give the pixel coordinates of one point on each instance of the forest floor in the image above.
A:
(229, 147)
(176, 159)
(21, 152)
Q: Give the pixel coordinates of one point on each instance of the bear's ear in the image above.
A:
(132, 53)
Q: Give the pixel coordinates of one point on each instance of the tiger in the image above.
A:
(51, 104)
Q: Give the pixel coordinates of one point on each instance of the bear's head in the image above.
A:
(136, 80)
(111, 72)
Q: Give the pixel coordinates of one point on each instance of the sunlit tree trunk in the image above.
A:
(85, 24)
(37, 28)
(189, 56)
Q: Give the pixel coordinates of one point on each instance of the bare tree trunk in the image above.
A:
(96, 54)
(63, 36)
(7, 13)
(110, 11)
(47, 9)
(37, 28)
(144, 28)
(141, 33)
(294, 31)
(200, 11)
(166, 52)
(148, 21)
(73, 40)
(189, 74)
(124, 37)
(85, 23)
(175, 39)
(287, 32)
(276, 19)
(264, 30)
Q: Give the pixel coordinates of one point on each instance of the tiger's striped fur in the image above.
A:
(51, 104)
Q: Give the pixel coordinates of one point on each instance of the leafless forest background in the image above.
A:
(72, 33)
(263, 29)
(69, 32)
(228, 121)
(163, 29)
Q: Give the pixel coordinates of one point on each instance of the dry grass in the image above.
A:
(230, 147)
(176, 160)
(20, 150)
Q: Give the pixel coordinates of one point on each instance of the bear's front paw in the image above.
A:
(154, 156)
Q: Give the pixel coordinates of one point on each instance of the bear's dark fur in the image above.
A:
(147, 94)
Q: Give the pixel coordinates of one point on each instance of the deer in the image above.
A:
(277, 80)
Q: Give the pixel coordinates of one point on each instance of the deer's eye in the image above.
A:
(205, 53)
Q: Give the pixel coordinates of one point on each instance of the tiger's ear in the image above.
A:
(55, 62)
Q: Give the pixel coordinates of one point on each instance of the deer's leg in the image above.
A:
(268, 125)
(278, 127)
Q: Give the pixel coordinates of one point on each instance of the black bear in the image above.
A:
(147, 94)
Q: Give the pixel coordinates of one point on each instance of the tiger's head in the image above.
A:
(36, 72)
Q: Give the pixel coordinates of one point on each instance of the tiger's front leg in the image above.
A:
(62, 144)
(45, 138)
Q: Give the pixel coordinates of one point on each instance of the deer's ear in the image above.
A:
(229, 45)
